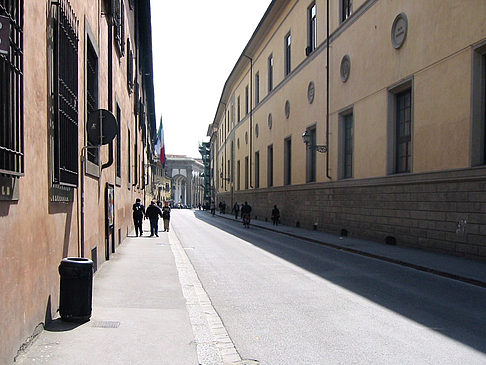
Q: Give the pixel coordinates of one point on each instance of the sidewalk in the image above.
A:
(457, 268)
(139, 314)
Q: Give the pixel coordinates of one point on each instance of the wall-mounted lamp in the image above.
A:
(307, 138)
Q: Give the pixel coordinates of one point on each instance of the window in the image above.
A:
(348, 137)
(246, 172)
(311, 28)
(270, 165)
(478, 142)
(129, 67)
(119, 25)
(65, 90)
(257, 169)
(346, 8)
(257, 88)
(118, 142)
(270, 73)
(91, 92)
(239, 107)
(247, 98)
(288, 42)
(311, 156)
(238, 177)
(11, 94)
(288, 161)
(129, 161)
(403, 131)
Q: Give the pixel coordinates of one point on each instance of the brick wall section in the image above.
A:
(440, 211)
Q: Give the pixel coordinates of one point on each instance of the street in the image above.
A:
(288, 301)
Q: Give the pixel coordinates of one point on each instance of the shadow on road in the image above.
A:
(453, 309)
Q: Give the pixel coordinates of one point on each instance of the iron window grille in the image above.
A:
(129, 67)
(65, 87)
(12, 93)
(257, 88)
(118, 142)
(270, 73)
(404, 131)
(348, 146)
(118, 10)
(270, 165)
(91, 93)
(311, 156)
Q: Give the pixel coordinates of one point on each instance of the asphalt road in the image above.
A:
(288, 301)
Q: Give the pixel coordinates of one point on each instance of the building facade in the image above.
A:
(67, 63)
(187, 178)
(390, 98)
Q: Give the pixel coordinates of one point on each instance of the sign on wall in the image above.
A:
(4, 33)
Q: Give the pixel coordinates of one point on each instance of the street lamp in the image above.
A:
(307, 138)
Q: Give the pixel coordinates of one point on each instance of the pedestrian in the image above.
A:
(224, 207)
(246, 214)
(153, 212)
(275, 215)
(236, 210)
(213, 208)
(166, 216)
(159, 203)
(138, 214)
(220, 206)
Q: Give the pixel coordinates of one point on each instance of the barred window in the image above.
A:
(65, 89)
(118, 9)
(91, 92)
(129, 67)
(118, 142)
(11, 93)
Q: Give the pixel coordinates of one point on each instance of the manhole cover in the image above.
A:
(106, 324)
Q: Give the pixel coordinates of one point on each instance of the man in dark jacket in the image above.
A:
(166, 216)
(153, 212)
(138, 213)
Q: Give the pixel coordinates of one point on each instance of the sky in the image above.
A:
(195, 46)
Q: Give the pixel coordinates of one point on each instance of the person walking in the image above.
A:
(236, 210)
(153, 212)
(275, 215)
(212, 208)
(166, 216)
(246, 214)
(138, 214)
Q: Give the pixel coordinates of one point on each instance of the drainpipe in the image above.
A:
(327, 95)
(251, 116)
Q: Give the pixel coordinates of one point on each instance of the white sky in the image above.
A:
(195, 46)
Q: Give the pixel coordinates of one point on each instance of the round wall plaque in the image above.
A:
(345, 68)
(256, 130)
(310, 92)
(399, 30)
(287, 109)
(270, 122)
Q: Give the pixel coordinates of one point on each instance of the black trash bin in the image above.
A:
(76, 288)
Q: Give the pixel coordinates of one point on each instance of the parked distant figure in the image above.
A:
(153, 212)
(166, 216)
(213, 208)
(275, 215)
(246, 214)
(236, 210)
(138, 214)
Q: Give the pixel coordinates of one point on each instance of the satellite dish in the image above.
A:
(102, 127)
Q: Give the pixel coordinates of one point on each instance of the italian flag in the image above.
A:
(159, 145)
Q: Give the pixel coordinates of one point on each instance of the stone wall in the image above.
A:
(440, 211)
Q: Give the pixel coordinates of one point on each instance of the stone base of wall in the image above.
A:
(439, 211)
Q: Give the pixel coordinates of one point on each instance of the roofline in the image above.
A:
(242, 57)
